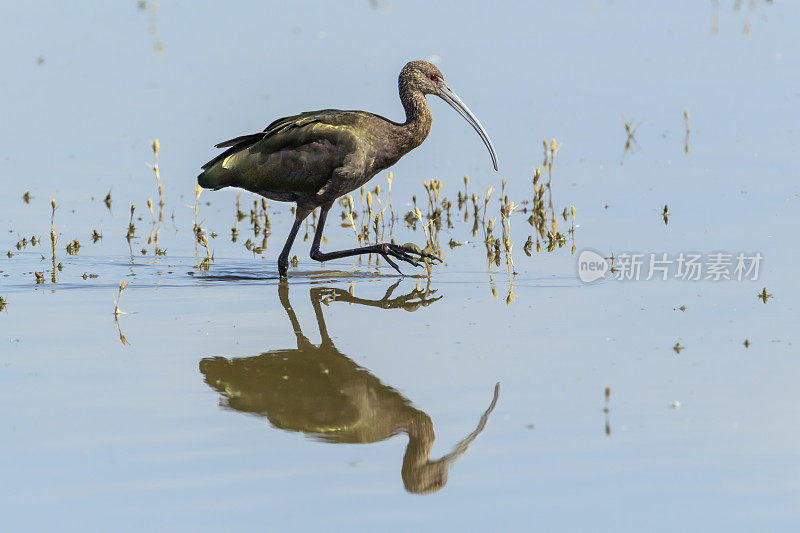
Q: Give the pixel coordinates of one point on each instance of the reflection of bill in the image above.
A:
(591, 266)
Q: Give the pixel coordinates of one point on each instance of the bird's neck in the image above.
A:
(420, 440)
(418, 116)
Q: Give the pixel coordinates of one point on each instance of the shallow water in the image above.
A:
(220, 397)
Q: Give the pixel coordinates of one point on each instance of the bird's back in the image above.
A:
(294, 157)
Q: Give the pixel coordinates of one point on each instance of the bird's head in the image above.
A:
(426, 78)
(422, 76)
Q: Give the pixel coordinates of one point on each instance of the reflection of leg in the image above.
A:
(385, 250)
(316, 296)
(283, 296)
(410, 302)
(390, 290)
(413, 294)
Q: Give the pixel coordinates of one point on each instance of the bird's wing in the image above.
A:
(302, 119)
(294, 154)
(241, 139)
(281, 124)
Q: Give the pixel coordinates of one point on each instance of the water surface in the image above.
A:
(222, 398)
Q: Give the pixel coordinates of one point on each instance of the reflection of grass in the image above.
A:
(686, 123)
(118, 312)
(630, 141)
(152, 10)
(737, 6)
(764, 295)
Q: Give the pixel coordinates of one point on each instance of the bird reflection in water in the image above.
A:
(321, 392)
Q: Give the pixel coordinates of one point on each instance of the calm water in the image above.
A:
(221, 398)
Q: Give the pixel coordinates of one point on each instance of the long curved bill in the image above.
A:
(447, 94)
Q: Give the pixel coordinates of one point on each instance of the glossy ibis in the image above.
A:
(315, 157)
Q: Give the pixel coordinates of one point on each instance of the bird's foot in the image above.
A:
(410, 247)
(404, 253)
(283, 268)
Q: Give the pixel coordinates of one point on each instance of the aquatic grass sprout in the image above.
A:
(389, 179)
(206, 262)
(53, 241)
(117, 310)
(506, 212)
(350, 219)
(131, 227)
(764, 295)
(486, 202)
(159, 184)
(428, 238)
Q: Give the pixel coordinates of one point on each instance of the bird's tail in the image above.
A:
(215, 177)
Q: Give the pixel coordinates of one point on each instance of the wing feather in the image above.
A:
(293, 155)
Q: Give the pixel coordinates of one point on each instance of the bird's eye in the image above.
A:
(433, 77)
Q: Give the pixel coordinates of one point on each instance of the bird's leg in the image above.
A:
(283, 259)
(385, 250)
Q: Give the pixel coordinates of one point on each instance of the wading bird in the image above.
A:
(315, 157)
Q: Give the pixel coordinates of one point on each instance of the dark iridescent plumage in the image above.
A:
(315, 157)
